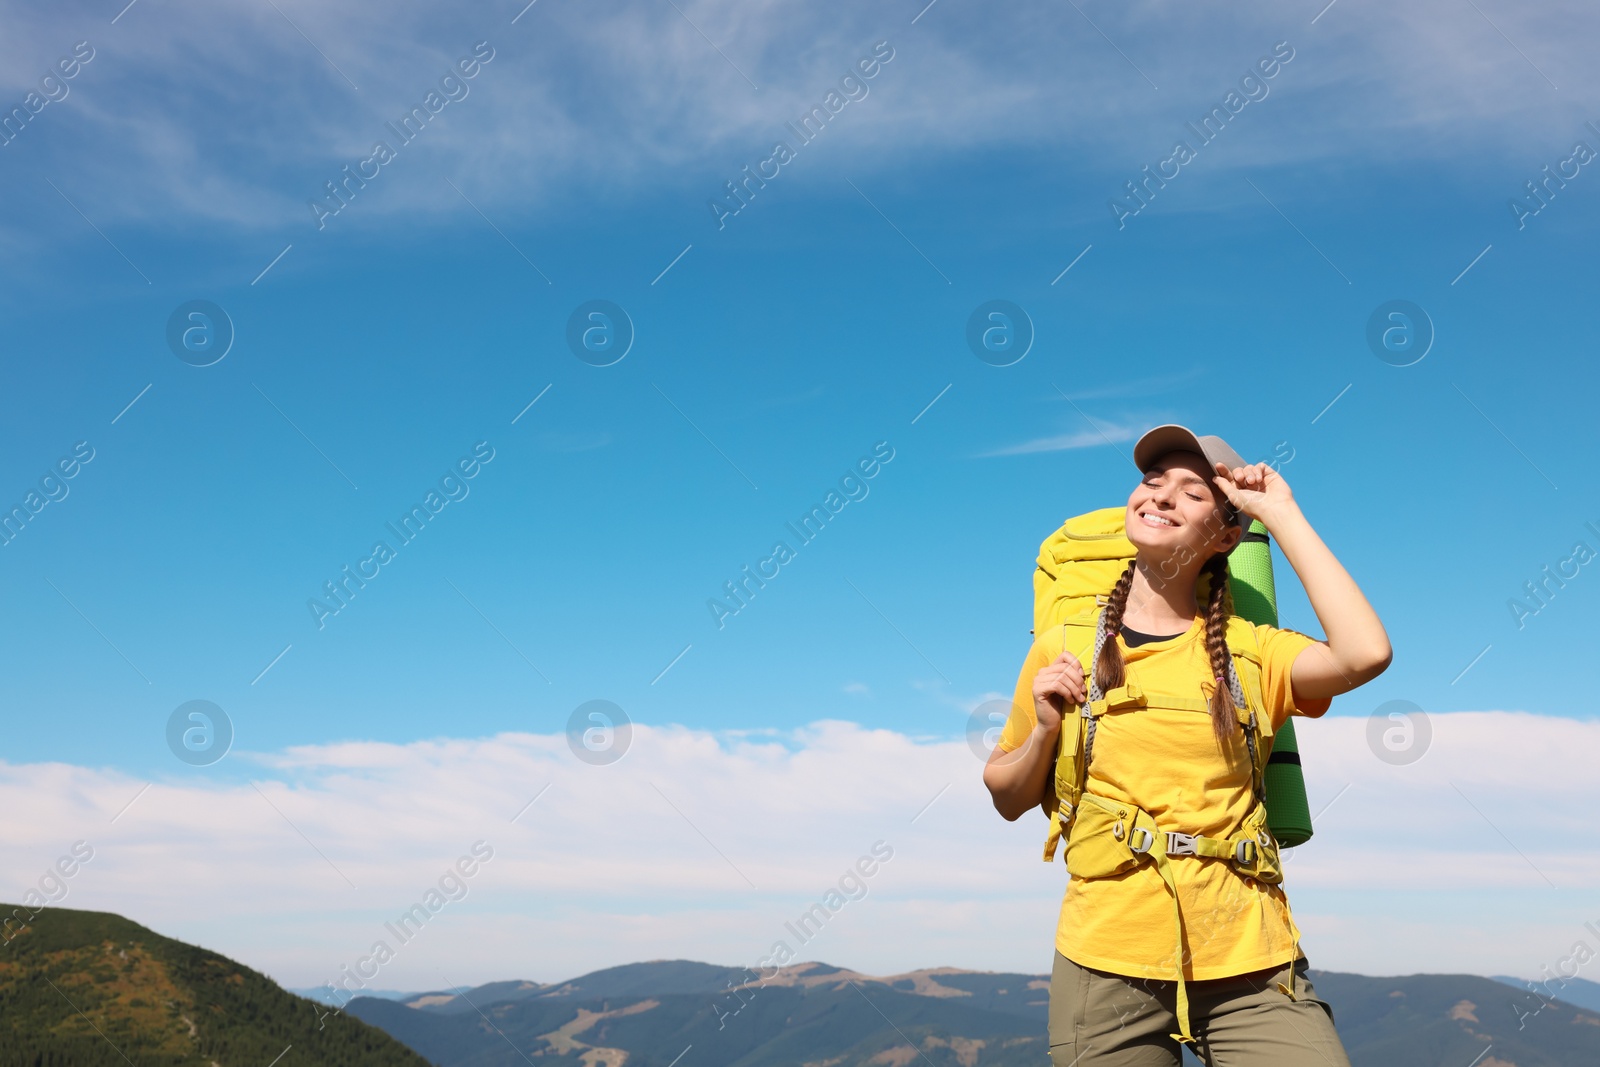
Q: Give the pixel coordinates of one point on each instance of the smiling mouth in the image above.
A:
(1150, 518)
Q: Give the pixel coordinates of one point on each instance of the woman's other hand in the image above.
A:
(1258, 490)
(1058, 686)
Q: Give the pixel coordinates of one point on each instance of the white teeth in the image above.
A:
(1157, 518)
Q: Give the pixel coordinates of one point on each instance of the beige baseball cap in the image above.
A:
(1163, 439)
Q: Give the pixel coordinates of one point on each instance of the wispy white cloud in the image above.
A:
(1097, 436)
(198, 114)
(655, 856)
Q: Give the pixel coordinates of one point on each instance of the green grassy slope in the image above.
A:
(92, 989)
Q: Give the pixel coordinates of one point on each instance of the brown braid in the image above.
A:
(1219, 607)
(1108, 668)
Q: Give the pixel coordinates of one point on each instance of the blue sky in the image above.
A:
(770, 354)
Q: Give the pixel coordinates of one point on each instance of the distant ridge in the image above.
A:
(1579, 992)
(321, 994)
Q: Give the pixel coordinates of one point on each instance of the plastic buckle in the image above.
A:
(1180, 844)
(1133, 839)
(1244, 853)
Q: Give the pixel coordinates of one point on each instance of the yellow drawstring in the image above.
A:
(1163, 864)
(1294, 952)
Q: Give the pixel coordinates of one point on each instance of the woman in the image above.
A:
(1114, 995)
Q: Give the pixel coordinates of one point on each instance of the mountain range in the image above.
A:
(92, 989)
(664, 1013)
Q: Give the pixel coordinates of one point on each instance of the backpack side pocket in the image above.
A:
(1097, 846)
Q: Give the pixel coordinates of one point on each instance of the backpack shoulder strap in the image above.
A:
(1064, 787)
(1245, 659)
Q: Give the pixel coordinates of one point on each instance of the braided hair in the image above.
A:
(1219, 606)
(1109, 668)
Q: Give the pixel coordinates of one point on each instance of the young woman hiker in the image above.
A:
(1132, 980)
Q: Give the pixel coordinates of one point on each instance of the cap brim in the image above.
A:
(1163, 439)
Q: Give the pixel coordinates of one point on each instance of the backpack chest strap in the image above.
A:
(1131, 697)
(1119, 699)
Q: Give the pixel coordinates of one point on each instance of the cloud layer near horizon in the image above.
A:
(704, 846)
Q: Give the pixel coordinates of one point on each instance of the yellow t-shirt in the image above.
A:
(1168, 763)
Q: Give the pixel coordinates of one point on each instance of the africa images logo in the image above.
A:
(1253, 87)
(453, 87)
(852, 87)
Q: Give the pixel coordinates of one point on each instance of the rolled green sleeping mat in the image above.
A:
(1255, 599)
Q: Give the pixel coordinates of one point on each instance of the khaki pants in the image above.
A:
(1098, 1019)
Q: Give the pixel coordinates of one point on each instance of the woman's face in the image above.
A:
(1177, 510)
